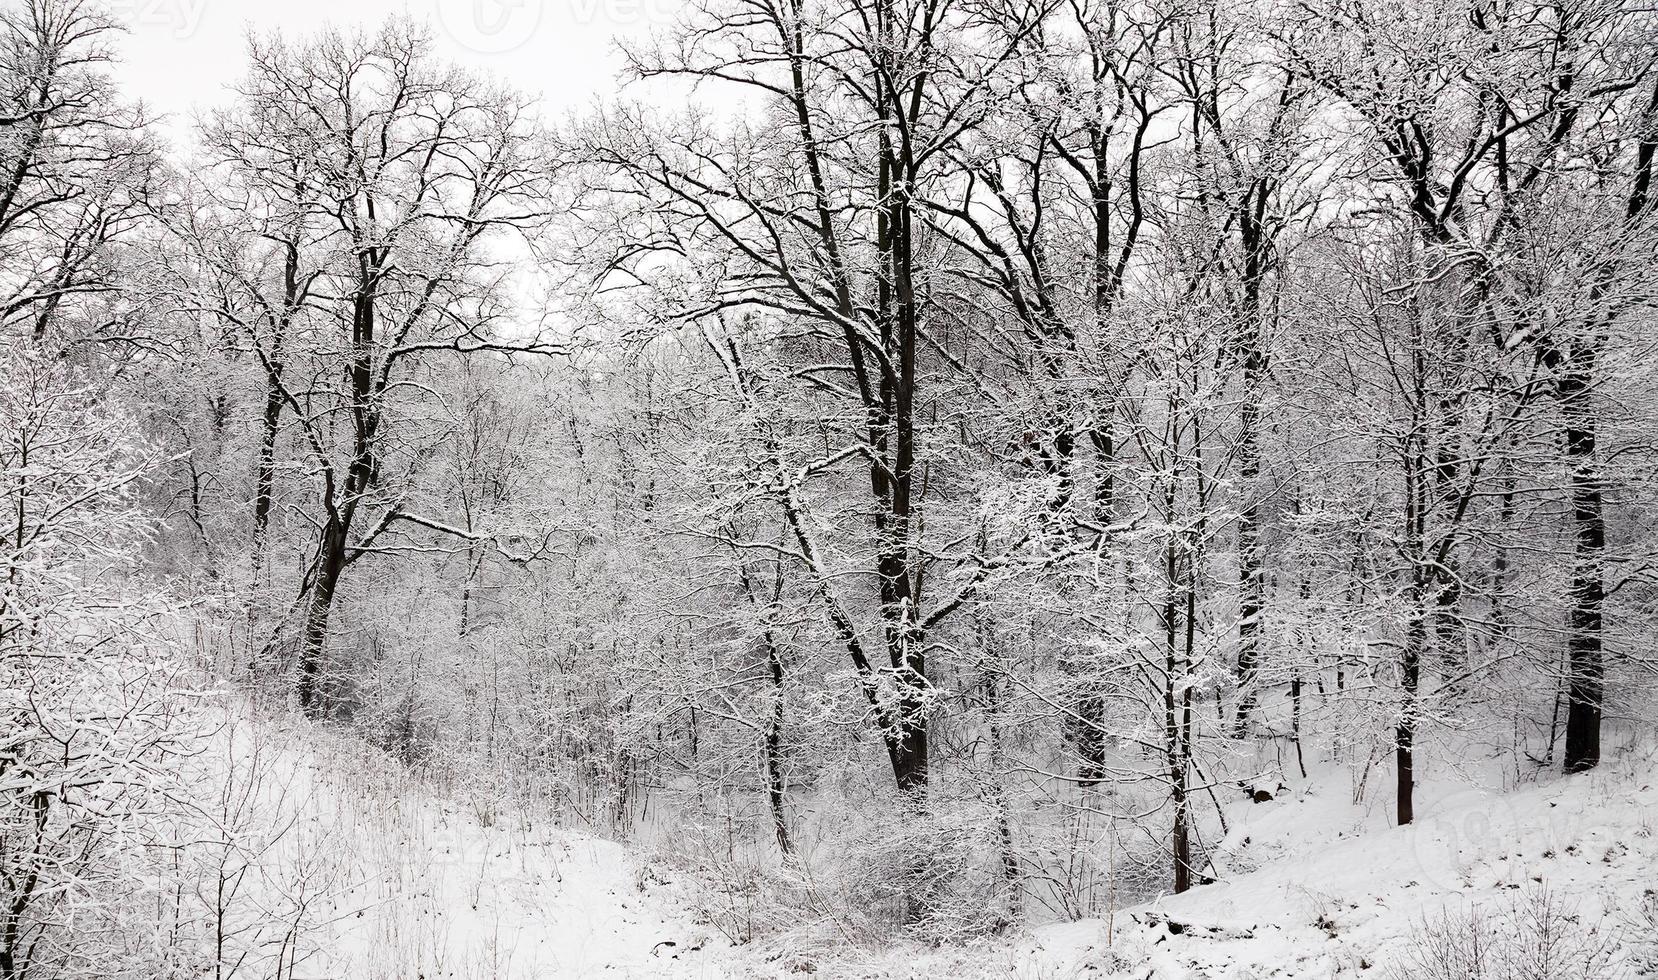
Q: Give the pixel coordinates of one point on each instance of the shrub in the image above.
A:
(1535, 937)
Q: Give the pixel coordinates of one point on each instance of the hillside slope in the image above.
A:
(393, 883)
(346, 867)
(1334, 891)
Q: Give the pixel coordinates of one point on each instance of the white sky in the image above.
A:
(181, 54)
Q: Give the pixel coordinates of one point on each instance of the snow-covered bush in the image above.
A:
(1536, 936)
(936, 875)
(90, 685)
(1641, 931)
(865, 878)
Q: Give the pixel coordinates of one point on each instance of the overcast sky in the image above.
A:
(181, 54)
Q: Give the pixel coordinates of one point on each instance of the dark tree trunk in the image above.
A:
(771, 750)
(334, 547)
(1585, 661)
(1177, 702)
(898, 318)
(998, 763)
(330, 564)
(1251, 558)
(1410, 671)
(1179, 837)
(265, 477)
(1419, 498)
(908, 752)
(30, 145)
(1091, 738)
(1450, 631)
(1499, 563)
(1251, 574)
(1182, 842)
(776, 787)
(1585, 666)
(271, 422)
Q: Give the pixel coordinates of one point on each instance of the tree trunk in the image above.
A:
(1182, 842)
(271, 422)
(331, 556)
(333, 549)
(1410, 669)
(1252, 579)
(907, 749)
(1090, 710)
(1251, 559)
(899, 320)
(1176, 731)
(1585, 665)
(265, 477)
(776, 787)
(998, 763)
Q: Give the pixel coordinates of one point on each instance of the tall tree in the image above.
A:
(76, 164)
(378, 184)
(816, 217)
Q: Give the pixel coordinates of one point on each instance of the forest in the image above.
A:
(958, 474)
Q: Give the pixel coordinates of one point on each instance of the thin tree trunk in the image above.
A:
(1090, 709)
(1585, 662)
(265, 477)
(776, 787)
(998, 793)
(1410, 669)
(271, 422)
(1499, 562)
(1180, 833)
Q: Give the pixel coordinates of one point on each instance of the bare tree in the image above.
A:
(378, 185)
(76, 165)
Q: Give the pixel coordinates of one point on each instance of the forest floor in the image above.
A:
(404, 885)
(384, 880)
(1317, 886)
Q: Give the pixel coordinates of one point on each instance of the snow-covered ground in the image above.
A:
(465, 901)
(1323, 887)
(393, 883)
(369, 877)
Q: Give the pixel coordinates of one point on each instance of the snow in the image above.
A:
(1337, 892)
(421, 886)
(401, 884)
(554, 905)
